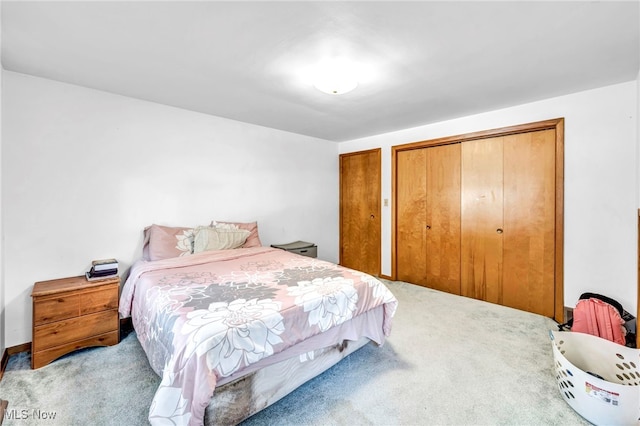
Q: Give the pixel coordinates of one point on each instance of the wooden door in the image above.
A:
(482, 222)
(428, 217)
(360, 186)
(529, 222)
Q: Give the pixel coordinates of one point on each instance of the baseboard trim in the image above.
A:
(3, 407)
(25, 347)
(3, 366)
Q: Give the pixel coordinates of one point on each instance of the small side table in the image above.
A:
(299, 247)
(73, 313)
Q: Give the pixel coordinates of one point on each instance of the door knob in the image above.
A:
(499, 231)
(428, 226)
(373, 217)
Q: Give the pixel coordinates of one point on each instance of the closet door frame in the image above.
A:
(556, 124)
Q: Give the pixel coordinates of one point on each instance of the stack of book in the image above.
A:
(102, 269)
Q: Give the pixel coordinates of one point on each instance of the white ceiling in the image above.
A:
(427, 61)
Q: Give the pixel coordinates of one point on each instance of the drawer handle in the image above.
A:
(303, 251)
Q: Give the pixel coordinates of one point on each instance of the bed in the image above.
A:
(231, 326)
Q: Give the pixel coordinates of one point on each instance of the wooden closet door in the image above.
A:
(508, 221)
(443, 218)
(360, 186)
(428, 217)
(529, 222)
(482, 221)
(411, 209)
(511, 215)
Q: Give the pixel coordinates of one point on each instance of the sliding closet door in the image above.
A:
(482, 221)
(529, 221)
(428, 217)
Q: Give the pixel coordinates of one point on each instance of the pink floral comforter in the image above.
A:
(204, 317)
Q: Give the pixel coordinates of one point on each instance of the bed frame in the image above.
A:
(242, 397)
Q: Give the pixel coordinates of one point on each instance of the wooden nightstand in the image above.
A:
(73, 313)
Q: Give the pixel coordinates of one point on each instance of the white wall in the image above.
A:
(2, 307)
(600, 182)
(84, 171)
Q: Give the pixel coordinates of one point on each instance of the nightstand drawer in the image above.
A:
(46, 356)
(70, 330)
(299, 247)
(72, 304)
(307, 251)
(102, 299)
(56, 308)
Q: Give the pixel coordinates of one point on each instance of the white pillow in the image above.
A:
(208, 238)
(219, 225)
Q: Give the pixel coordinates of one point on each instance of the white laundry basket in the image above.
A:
(613, 398)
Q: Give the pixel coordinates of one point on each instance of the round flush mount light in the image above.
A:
(335, 77)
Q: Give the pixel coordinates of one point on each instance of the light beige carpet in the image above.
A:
(449, 361)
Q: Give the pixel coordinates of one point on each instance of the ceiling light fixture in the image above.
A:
(335, 77)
